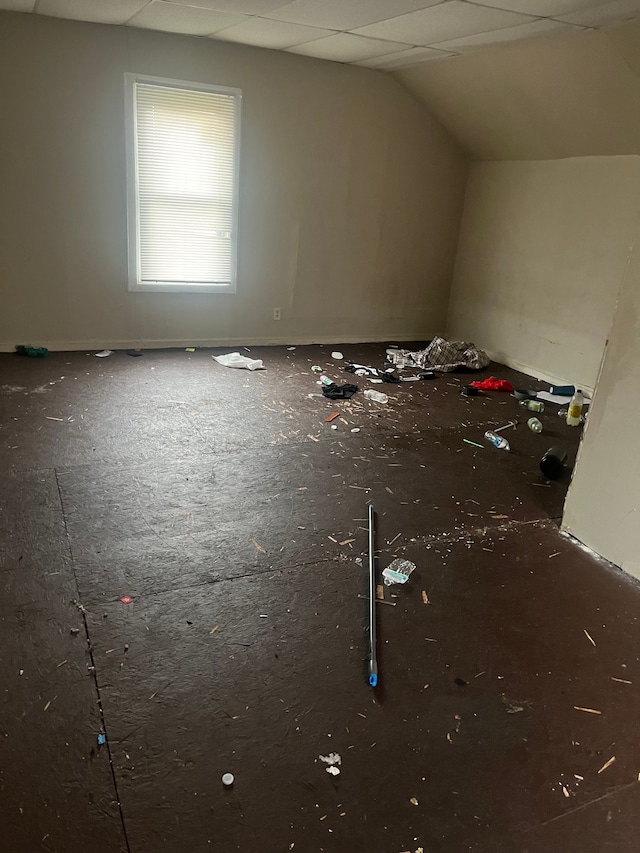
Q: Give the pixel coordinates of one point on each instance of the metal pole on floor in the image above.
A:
(373, 663)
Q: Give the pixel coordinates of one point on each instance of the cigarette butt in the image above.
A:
(425, 597)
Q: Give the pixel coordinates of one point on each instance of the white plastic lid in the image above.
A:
(227, 780)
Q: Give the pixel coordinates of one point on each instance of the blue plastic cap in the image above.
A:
(373, 680)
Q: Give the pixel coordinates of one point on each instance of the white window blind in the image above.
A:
(185, 144)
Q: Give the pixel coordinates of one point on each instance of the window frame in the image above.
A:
(133, 230)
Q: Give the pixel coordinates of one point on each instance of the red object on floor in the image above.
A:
(493, 384)
(126, 599)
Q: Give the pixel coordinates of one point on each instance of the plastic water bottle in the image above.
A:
(575, 409)
(376, 396)
(532, 405)
(497, 440)
(534, 425)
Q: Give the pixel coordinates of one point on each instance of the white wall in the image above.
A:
(603, 504)
(542, 253)
(349, 203)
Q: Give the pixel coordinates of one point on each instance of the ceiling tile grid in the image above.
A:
(384, 34)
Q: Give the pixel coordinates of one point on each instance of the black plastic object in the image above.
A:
(552, 462)
(427, 374)
(523, 394)
(469, 391)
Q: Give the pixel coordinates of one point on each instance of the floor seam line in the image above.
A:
(93, 663)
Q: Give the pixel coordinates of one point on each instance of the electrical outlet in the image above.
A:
(276, 313)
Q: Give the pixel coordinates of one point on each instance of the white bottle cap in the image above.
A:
(228, 780)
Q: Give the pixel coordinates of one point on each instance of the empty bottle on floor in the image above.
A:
(575, 409)
(376, 396)
(552, 463)
(534, 425)
(497, 440)
(532, 405)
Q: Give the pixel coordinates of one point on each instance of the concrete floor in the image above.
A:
(232, 514)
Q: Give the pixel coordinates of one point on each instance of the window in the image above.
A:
(182, 145)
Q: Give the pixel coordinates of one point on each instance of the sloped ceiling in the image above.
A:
(570, 95)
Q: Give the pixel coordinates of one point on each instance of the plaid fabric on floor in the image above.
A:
(441, 355)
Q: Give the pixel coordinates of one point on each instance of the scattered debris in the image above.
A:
(234, 359)
(397, 571)
(258, 546)
(332, 417)
(104, 353)
(589, 637)
(565, 792)
(356, 429)
(126, 599)
(607, 764)
(316, 368)
(62, 663)
(378, 600)
(333, 760)
(413, 801)
(425, 597)
(74, 631)
(621, 680)
(511, 707)
(380, 592)
(474, 443)
(587, 710)
(55, 419)
(213, 630)
(337, 355)
(102, 739)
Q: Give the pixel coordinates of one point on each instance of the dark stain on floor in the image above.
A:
(235, 518)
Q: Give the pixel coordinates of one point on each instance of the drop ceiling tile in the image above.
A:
(113, 12)
(468, 43)
(17, 5)
(276, 35)
(543, 8)
(405, 57)
(446, 21)
(345, 14)
(188, 20)
(344, 47)
(240, 7)
(603, 14)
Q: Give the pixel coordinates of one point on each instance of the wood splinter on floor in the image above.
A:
(425, 597)
(259, 547)
(587, 710)
(607, 764)
(589, 637)
(380, 592)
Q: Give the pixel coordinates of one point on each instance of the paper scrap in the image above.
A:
(104, 353)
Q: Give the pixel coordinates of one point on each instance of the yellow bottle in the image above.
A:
(574, 413)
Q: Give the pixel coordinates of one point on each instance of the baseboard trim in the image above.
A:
(534, 372)
(92, 346)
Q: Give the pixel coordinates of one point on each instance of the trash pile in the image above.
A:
(553, 462)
